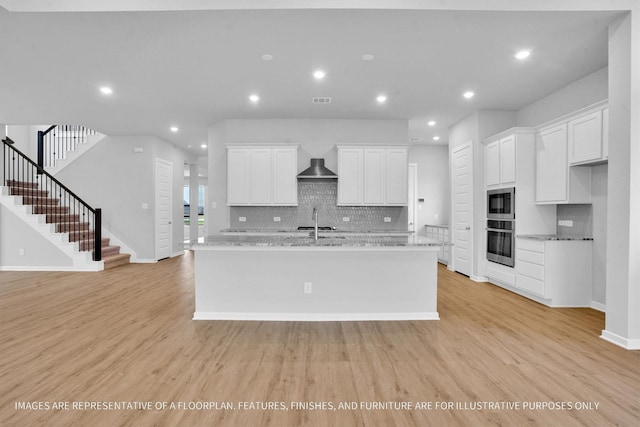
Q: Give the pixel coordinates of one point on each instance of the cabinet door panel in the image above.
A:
(350, 177)
(585, 138)
(508, 160)
(605, 133)
(551, 164)
(374, 176)
(397, 177)
(492, 163)
(260, 176)
(238, 173)
(285, 184)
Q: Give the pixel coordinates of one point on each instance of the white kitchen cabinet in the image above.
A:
(350, 176)
(262, 175)
(553, 271)
(585, 138)
(372, 176)
(500, 162)
(556, 181)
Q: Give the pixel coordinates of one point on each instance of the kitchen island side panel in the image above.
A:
(353, 284)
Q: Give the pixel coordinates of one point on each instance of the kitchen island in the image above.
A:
(333, 278)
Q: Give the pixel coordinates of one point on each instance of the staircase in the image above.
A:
(63, 221)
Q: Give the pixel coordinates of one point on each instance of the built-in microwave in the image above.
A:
(501, 203)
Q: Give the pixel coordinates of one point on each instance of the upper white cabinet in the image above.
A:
(262, 175)
(605, 133)
(586, 139)
(556, 181)
(500, 162)
(372, 175)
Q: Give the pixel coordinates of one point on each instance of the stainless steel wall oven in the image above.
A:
(501, 241)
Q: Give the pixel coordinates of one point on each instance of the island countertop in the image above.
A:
(359, 241)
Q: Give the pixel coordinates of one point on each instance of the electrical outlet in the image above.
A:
(345, 219)
(21, 252)
(387, 219)
(145, 206)
(242, 218)
(214, 205)
(436, 216)
(276, 218)
(307, 287)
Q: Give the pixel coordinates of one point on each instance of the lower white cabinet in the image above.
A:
(441, 234)
(557, 272)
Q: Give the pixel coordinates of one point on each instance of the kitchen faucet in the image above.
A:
(315, 228)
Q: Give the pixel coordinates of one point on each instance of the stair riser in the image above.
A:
(32, 192)
(51, 210)
(62, 218)
(37, 201)
(63, 228)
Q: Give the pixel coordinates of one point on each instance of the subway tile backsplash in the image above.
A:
(322, 194)
(582, 217)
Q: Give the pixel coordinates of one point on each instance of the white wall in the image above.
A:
(113, 177)
(599, 192)
(433, 184)
(39, 253)
(316, 137)
(583, 92)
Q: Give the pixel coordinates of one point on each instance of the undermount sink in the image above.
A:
(311, 228)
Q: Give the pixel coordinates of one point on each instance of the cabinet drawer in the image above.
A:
(530, 285)
(531, 245)
(532, 270)
(530, 256)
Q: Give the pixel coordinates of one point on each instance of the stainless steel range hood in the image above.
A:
(317, 170)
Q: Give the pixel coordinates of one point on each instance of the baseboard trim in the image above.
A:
(626, 343)
(314, 317)
(479, 279)
(598, 306)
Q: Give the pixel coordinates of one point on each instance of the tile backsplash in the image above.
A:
(580, 215)
(322, 194)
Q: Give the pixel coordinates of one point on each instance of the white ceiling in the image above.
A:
(193, 69)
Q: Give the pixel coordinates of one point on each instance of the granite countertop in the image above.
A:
(305, 241)
(436, 225)
(551, 237)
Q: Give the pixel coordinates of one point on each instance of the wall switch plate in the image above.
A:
(345, 219)
(276, 218)
(214, 205)
(568, 223)
(21, 252)
(138, 149)
(242, 218)
(145, 206)
(308, 287)
(436, 216)
(387, 219)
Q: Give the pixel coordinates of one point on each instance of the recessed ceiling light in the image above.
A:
(367, 57)
(319, 74)
(468, 94)
(381, 99)
(203, 145)
(431, 123)
(267, 57)
(106, 90)
(173, 129)
(436, 138)
(254, 98)
(523, 54)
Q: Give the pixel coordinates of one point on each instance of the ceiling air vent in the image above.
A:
(321, 100)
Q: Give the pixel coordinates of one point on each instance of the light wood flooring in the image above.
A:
(126, 335)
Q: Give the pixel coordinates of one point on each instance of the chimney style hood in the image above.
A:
(317, 170)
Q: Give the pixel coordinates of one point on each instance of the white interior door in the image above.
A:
(413, 196)
(462, 208)
(164, 204)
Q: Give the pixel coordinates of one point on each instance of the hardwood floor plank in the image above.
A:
(127, 335)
